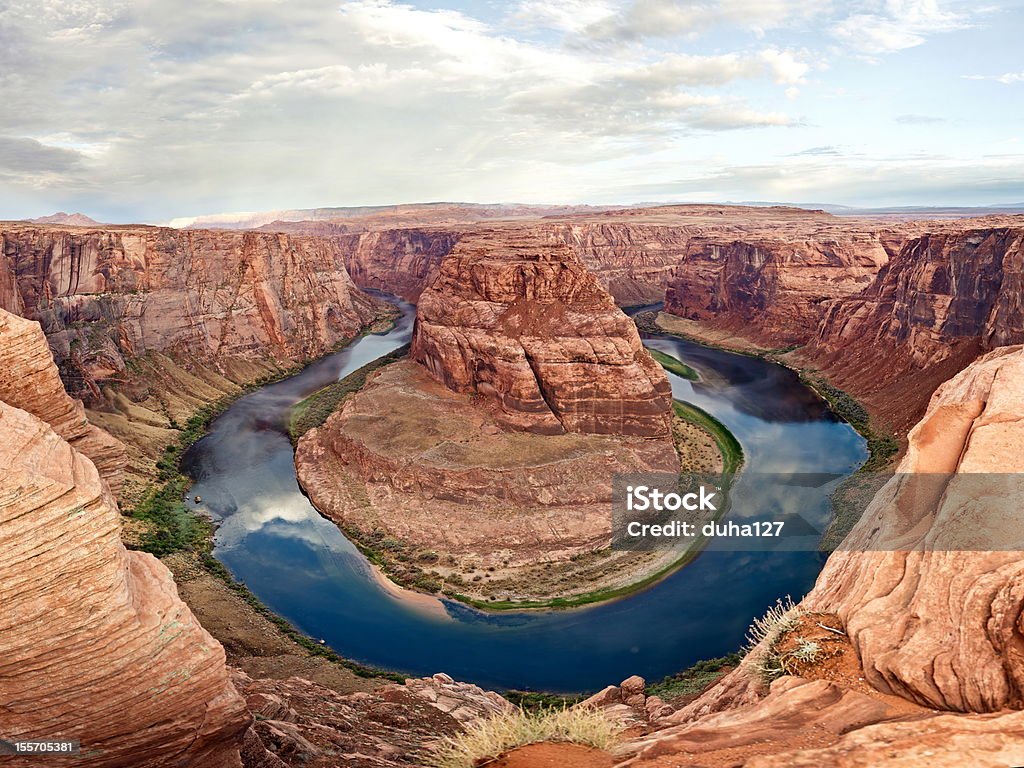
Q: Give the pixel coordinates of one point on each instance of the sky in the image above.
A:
(155, 109)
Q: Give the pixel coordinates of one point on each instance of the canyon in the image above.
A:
(524, 387)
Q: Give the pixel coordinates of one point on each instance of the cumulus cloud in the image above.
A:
(642, 19)
(880, 28)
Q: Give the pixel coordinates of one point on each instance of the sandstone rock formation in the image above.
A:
(94, 643)
(29, 379)
(106, 295)
(521, 321)
(927, 588)
(942, 300)
(305, 725)
(771, 289)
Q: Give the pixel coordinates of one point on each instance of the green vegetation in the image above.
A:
(728, 445)
(314, 410)
(536, 701)
(484, 740)
(694, 679)
(678, 367)
(173, 527)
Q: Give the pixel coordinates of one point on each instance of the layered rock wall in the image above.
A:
(944, 299)
(106, 295)
(29, 378)
(95, 645)
(520, 321)
(774, 291)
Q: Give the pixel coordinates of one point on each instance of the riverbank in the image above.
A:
(850, 497)
(182, 403)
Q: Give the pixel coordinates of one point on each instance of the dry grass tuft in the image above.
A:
(494, 736)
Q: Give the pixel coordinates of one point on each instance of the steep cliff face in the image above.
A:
(516, 318)
(29, 379)
(94, 643)
(105, 296)
(929, 596)
(944, 299)
(772, 290)
(400, 261)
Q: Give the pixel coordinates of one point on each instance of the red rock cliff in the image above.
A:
(518, 319)
(942, 300)
(106, 295)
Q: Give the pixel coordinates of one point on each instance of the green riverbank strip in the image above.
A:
(678, 367)
(728, 445)
(314, 410)
(176, 528)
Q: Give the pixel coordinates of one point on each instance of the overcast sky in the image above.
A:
(145, 111)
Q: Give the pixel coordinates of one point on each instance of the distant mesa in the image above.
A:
(67, 220)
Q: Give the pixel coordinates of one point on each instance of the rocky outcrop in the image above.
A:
(94, 643)
(302, 724)
(927, 589)
(517, 319)
(104, 296)
(29, 380)
(772, 290)
(943, 299)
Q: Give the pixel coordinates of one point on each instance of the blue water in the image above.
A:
(301, 566)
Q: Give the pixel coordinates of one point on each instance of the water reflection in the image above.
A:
(303, 568)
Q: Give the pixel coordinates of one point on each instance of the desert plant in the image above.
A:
(807, 651)
(763, 637)
(496, 735)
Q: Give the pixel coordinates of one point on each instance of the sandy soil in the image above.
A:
(548, 755)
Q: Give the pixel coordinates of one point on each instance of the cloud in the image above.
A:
(643, 19)
(562, 15)
(874, 181)
(23, 155)
(896, 25)
(817, 151)
(1006, 79)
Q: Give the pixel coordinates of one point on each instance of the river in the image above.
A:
(304, 569)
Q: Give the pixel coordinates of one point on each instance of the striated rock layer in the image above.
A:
(522, 322)
(929, 592)
(772, 289)
(29, 379)
(942, 300)
(94, 643)
(104, 296)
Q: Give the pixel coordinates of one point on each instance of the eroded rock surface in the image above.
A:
(29, 380)
(106, 295)
(945, 298)
(94, 643)
(302, 724)
(520, 320)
